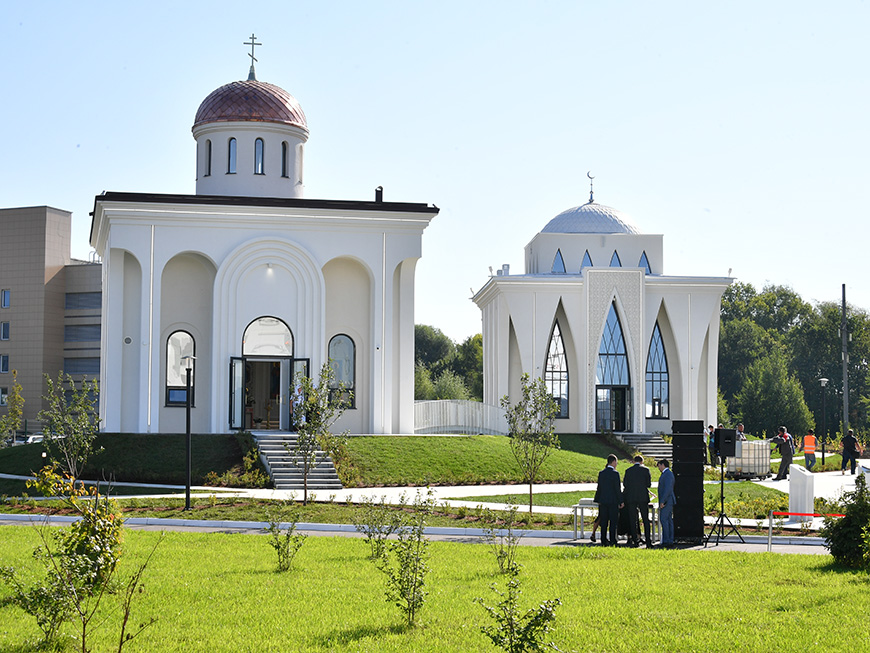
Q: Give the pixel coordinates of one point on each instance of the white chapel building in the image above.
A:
(621, 346)
(254, 281)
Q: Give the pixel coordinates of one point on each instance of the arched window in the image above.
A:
(558, 263)
(259, 168)
(180, 349)
(614, 260)
(267, 336)
(612, 379)
(342, 359)
(587, 261)
(231, 157)
(207, 159)
(285, 159)
(556, 371)
(644, 263)
(657, 377)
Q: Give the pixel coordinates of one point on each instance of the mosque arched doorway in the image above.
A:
(262, 378)
(612, 379)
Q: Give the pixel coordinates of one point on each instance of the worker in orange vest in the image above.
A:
(808, 446)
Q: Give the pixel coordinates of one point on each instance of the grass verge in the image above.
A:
(219, 592)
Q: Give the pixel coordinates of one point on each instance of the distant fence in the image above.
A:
(458, 416)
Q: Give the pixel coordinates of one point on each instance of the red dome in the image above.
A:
(250, 100)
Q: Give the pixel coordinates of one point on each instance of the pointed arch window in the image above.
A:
(285, 159)
(259, 166)
(556, 371)
(179, 345)
(657, 387)
(612, 379)
(342, 359)
(558, 263)
(231, 157)
(644, 263)
(612, 360)
(207, 172)
(587, 261)
(614, 260)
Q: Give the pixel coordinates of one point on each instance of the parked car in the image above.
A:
(33, 439)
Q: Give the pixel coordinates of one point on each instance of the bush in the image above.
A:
(845, 536)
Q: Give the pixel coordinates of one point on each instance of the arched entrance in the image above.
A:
(612, 379)
(261, 379)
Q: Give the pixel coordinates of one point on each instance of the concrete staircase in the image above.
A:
(286, 475)
(649, 444)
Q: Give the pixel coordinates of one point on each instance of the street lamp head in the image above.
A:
(188, 362)
(823, 381)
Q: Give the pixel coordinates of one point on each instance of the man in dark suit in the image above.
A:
(608, 496)
(635, 485)
(667, 499)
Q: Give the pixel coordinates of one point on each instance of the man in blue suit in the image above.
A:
(608, 496)
(666, 502)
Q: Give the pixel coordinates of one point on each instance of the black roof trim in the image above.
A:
(280, 202)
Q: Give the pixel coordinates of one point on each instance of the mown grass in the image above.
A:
(733, 491)
(219, 592)
(471, 460)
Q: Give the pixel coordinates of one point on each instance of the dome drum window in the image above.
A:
(259, 166)
(231, 157)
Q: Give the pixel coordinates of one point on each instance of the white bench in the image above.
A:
(586, 504)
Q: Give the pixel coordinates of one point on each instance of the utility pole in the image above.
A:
(844, 333)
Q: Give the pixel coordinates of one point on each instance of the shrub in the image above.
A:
(377, 521)
(285, 542)
(845, 536)
(405, 560)
(517, 632)
(503, 541)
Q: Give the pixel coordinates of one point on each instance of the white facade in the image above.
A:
(574, 280)
(244, 252)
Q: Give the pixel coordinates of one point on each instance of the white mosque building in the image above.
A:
(620, 345)
(255, 282)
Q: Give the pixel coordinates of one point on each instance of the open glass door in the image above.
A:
(237, 393)
(298, 367)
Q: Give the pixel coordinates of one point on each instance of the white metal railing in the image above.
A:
(459, 416)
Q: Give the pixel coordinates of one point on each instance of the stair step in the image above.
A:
(285, 468)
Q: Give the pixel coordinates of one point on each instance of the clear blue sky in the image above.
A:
(738, 130)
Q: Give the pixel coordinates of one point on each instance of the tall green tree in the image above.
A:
(772, 397)
(468, 364)
(432, 348)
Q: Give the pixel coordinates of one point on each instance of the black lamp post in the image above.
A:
(188, 364)
(824, 383)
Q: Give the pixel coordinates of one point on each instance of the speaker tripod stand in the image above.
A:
(719, 526)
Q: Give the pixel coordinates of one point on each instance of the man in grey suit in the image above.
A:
(667, 499)
(608, 496)
(635, 485)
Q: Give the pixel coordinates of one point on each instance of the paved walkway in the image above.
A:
(830, 485)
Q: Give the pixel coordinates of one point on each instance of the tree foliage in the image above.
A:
(531, 427)
(316, 407)
(754, 324)
(771, 397)
(70, 422)
(847, 537)
(10, 423)
(444, 370)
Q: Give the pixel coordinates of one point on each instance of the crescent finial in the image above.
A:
(588, 174)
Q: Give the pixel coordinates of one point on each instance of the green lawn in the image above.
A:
(219, 592)
(567, 499)
(406, 460)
